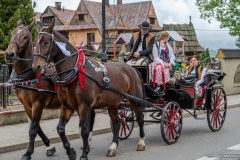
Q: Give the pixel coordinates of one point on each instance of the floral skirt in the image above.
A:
(158, 73)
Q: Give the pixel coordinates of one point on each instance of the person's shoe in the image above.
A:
(158, 90)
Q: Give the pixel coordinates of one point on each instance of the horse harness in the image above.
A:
(16, 41)
(102, 68)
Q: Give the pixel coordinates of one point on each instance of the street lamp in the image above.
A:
(103, 59)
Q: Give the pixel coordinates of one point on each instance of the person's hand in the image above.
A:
(167, 65)
(136, 54)
(127, 53)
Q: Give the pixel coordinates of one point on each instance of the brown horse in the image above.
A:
(20, 51)
(82, 94)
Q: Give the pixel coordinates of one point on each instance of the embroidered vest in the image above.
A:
(198, 71)
(166, 57)
(148, 39)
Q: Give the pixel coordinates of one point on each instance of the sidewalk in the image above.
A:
(15, 137)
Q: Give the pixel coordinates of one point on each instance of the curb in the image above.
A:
(72, 136)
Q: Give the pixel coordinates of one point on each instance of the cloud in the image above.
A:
(171, 11)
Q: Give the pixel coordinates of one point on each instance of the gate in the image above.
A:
(4, 90)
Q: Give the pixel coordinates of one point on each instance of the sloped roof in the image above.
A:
(74, 27)
(191, 45)
(37, 16)
(123, 38)
(127, 13)
(228, 53)
(175, 36)
(64, 15)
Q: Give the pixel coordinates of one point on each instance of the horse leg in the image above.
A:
(65, 116)
(85, 116)
(35, 116)
(92, 120)
(113, 113)
(50, 150)
(137, 108)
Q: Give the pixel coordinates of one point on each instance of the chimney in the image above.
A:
(58, 5)
(107, 2)
(119, 2)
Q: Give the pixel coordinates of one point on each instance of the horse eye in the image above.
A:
(25, 37)
(45, 43)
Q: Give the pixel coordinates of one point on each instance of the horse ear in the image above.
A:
(31, 25)
(52, 25)
(39, 26)
(19, 22)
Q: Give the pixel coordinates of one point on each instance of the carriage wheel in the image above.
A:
(171, 123)
(217, 113)
(126, 119)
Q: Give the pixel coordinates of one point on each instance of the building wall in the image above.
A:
(76, 37)
(229, 67)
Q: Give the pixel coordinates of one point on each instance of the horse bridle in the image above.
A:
(50, 50)
(16, 42)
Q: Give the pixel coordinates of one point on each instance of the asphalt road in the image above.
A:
(197, 142)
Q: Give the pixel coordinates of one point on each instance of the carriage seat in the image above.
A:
(188, 81)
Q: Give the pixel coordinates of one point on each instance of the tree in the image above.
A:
(227, 12)
(204, 57)
(11, 11)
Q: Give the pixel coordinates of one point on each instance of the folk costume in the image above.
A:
(199, 72)
(142, 43)
(158, 74)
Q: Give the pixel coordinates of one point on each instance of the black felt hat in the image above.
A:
(145, 25)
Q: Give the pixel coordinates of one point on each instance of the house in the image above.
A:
(187, 32)
(85, 24)
(230, 64)
(37, 16)
(62, 17)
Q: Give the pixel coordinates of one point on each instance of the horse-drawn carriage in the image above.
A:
(84, 85)
(180, 96)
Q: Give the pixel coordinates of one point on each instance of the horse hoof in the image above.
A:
(72, 155)
(51, 151)
(141, 147)
(25, 157)
(83, 158)
(111, 152)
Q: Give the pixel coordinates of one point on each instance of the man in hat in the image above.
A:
(141, 44)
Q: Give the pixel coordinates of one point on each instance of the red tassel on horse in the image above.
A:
(81, 77)
(39, 84)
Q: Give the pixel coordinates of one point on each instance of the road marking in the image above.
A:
(208, 158)
(236, 147)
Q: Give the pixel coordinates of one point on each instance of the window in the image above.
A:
(47, 20)
(152, 21)
(237, 75)
(81, 17)
(90, 37)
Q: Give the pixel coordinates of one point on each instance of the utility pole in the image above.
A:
(103, 59)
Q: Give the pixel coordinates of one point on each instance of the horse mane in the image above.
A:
(69, 46)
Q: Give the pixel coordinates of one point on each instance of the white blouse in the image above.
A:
(156, 51)
(201, 80)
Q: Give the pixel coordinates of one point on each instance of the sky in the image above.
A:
(209, 35)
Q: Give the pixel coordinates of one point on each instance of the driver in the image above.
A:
(140, 45)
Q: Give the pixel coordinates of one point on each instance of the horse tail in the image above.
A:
(143, 87)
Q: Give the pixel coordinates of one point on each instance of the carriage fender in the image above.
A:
(180, 96)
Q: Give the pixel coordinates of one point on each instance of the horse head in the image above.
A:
(51, 47)
(20, 42)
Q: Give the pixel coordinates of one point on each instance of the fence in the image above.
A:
(4, 90)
